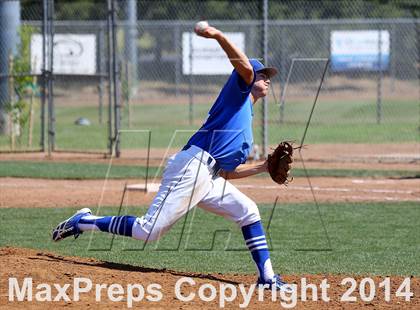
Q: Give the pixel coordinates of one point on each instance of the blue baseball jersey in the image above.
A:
(227, 131)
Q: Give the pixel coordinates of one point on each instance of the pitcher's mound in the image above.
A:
(109, 285)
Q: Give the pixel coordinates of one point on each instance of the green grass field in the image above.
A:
(333, 122)
(82, 171)
(366, 238)
(72, 170)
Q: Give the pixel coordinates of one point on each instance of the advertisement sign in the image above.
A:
(73, 54)
(359, 50)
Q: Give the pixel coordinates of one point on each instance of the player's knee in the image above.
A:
(251, 215)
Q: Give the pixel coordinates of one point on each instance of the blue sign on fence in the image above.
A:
(359, 50)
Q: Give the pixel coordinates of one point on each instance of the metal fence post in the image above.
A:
(190, 84)
(50, 74)
(130, 38)
(101, 72)
(115, 74)
(253, 41)
(110, 88)
(282, 72)
(379, 81)
(44, 71)
(265, 59)
(392, 57)
(178, 60)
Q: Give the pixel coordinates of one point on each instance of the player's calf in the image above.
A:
(126, 225)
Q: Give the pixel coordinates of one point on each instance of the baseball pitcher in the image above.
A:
(198, 174)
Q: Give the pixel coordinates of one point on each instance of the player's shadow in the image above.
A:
(130, 268)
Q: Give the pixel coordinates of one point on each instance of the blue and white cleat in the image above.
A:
(69, 227)
(276, 283)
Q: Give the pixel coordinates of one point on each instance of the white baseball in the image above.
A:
(200, 26)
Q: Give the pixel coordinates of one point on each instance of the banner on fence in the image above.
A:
(359, 50)
(73, 54)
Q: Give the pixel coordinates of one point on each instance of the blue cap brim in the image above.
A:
(269, 71)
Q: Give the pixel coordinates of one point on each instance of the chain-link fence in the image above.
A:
(56, 77)
(81, 76)
(369, 95)
(358, 104)
(363, 104)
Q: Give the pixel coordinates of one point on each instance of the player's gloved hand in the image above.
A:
(279, 163)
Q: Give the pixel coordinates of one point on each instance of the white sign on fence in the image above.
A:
(208, 58)
(359, 49)
(73, 54)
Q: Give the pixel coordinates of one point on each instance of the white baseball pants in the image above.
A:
(188, 181)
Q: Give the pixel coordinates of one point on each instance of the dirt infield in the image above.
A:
(401, 156)
(49, 268)
(62, 193)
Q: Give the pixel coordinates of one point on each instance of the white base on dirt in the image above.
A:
(150, 188)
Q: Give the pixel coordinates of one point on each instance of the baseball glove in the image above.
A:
(279, 162)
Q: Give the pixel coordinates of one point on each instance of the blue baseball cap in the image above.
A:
(259, 67)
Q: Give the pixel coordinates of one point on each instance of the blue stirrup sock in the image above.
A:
(256, 242)
(118, 225)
